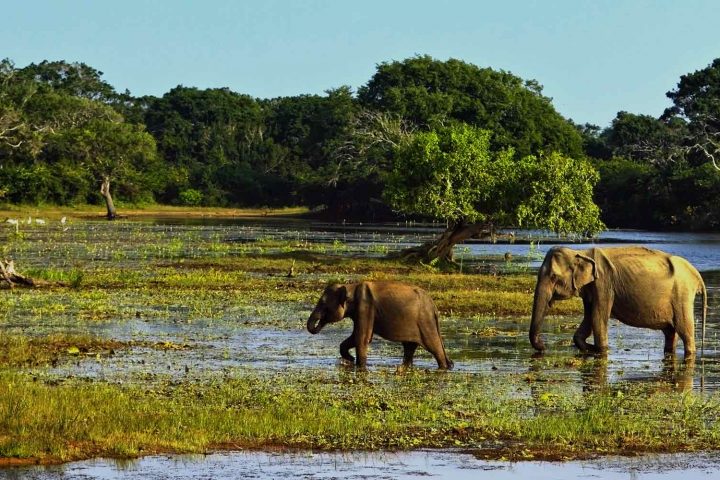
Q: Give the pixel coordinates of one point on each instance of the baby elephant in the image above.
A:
(396, 312)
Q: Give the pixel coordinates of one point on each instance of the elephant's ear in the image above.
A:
(584, 271)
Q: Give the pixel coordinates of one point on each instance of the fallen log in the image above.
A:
(12, 277)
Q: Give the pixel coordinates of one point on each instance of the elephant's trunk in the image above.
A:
(541, 303)
(314, 325)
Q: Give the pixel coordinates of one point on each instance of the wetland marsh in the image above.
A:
(171, 335)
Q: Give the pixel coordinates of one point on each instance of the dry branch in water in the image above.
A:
(8, 274)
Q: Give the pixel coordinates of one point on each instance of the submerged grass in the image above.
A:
(113, 273)
(76, 420)
(246, 280)
(24, 351)
(19, 351)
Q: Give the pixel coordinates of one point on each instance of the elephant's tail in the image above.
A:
(704, 316)
(449, 362)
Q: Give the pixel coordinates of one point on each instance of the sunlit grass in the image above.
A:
(323, 411)
(117, 272)
(119, 292)
(55, 212)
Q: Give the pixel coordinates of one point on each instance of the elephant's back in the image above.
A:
(684, 268)
(397, 290)
(635, 261)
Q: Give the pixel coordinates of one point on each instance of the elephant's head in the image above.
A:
(562, 274)
(331, 307)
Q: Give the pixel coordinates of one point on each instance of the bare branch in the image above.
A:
(703, 139)
(369, 130)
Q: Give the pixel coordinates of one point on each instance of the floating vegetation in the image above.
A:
(169, 337)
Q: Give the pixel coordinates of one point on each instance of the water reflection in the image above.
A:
(676, 374)
(101, 240)
(381, 465)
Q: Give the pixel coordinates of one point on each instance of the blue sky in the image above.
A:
(594, 58)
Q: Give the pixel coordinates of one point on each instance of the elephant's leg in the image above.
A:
(361, 349)
(345, 347)
(363, 337)
(433, 344)
(670, 339)
(581, 335)
(364, 325)
(600, 315)
(408, 353)
(685, 327)
(584, 330)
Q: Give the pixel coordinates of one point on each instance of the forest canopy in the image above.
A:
(64, 130)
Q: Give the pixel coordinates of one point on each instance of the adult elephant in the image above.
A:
(636, 285)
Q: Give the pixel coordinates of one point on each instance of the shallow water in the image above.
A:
(273, 338)
(133, 242)
(635, 355)
(384, 465)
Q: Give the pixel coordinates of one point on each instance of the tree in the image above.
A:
(18, 135)
(696, 99)
(354, 175)
(643, 137)
(627, 193)
(594, 142)
(73, 78)
(208, 138)
(60, 137)
(312, 130)
(108, 149)
(452, 174)
(430, 93)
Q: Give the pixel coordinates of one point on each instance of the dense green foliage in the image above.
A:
(59, 135)
(663, 172)
(63, 128)
(451, 173)
(430, 93)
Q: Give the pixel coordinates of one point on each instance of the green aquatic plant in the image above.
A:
(181, 293)
(71, 420)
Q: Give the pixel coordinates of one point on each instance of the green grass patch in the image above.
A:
(24, 351)
(75, 420)
(122, 292)
(119, 272)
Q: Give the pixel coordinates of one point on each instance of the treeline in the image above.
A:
(64, 130)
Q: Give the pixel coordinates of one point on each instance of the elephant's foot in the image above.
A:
(599, 351)
(345, 363)
(589, 348)
(690, 355)
(448, 365)
(583, 346)
(403, 368)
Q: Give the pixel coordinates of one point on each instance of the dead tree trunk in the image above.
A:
(442, 248)
(8, 274)
(105, 192)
